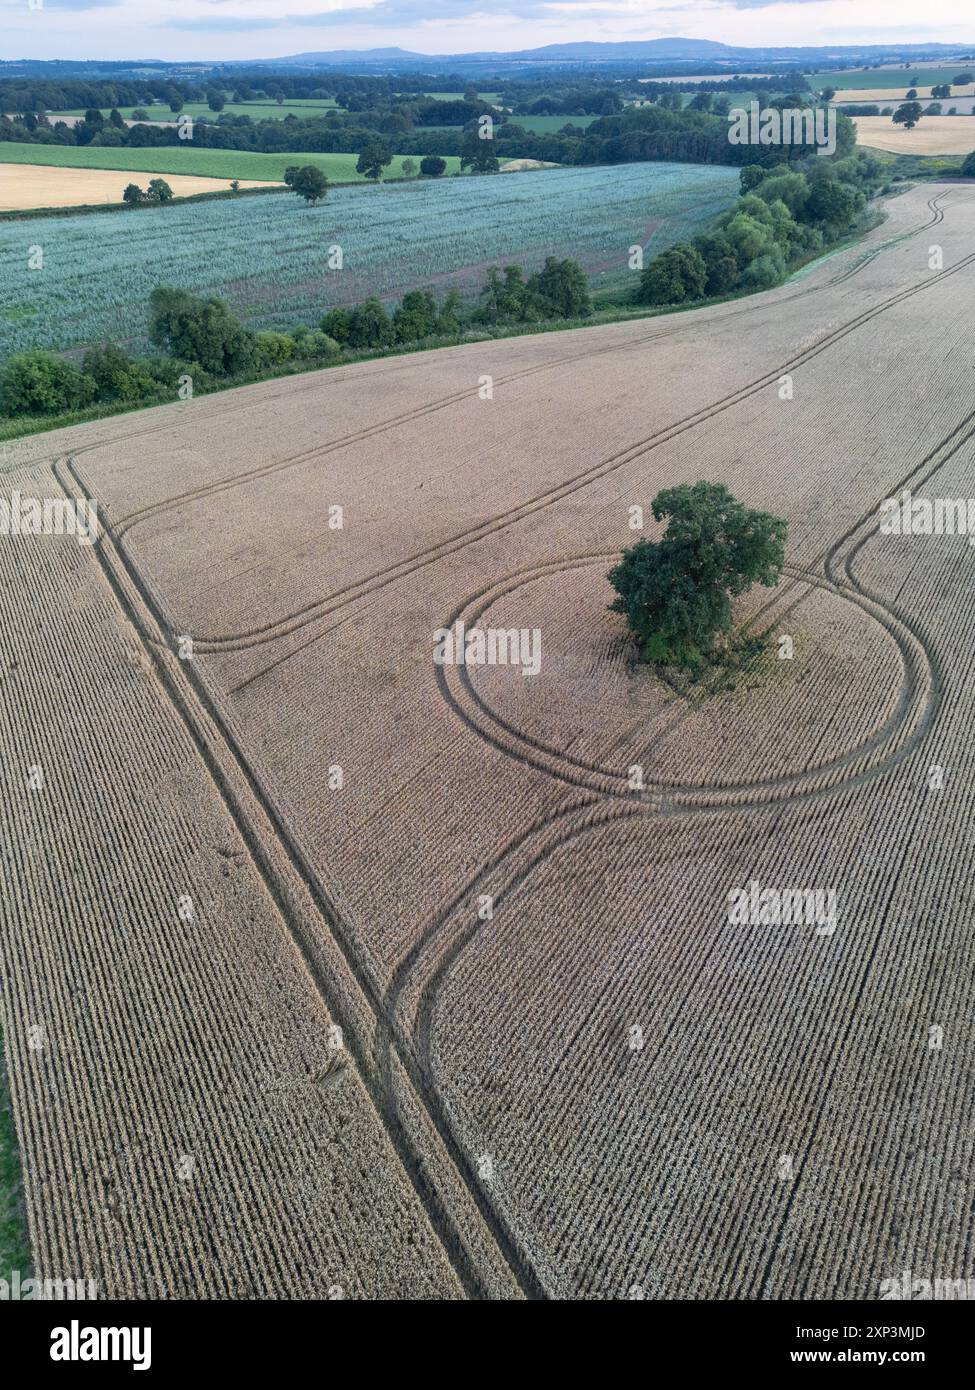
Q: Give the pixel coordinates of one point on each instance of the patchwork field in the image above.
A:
(268, 255)
(329, 968)
(707, 77)
(45, 186)
(933, 135)
(545, 125)
(888, 78)
(458, 96)
(890, 95)
(217, 164)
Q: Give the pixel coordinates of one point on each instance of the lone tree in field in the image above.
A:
(908, 115)
(309, 182)
(477, 150)
(676, 592)
(373, 159)
(432, 166)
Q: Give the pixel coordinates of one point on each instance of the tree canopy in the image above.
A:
(676, 592)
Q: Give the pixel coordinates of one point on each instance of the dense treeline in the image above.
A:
(786, 214)
(207, 346)
(662, 131)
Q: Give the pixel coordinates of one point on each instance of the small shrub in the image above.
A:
(337, 323)
(272, 348)
(200, 330)
(370, 326)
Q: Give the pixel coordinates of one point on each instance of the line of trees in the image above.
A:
(158, 191)
(784, 215)
(202, 340)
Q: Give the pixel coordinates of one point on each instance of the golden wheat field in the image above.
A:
(893, 96)
(933, 135)
(41, 186)
(333, 971)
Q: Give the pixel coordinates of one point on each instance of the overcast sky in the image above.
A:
(272, 28)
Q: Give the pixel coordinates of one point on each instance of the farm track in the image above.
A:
(387, 1048)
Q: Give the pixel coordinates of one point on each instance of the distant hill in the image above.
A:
(650, 57)
(632, 51)
(676, 51)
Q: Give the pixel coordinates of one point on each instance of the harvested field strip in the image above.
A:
(45, 186)
(195, 706)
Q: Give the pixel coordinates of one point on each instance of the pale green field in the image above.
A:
(456, 96)
(896, 78)
(217, 164)
(548, 125)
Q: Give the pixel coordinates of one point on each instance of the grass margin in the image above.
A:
(14, 1245)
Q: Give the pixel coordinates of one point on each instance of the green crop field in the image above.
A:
(187, 159)
(269, 255)
(896, 78)
(546, 125)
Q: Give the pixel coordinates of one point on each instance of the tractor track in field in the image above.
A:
(404, 363)
(599, 810)
(311, 613)
(206, 726)
(921, 692)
